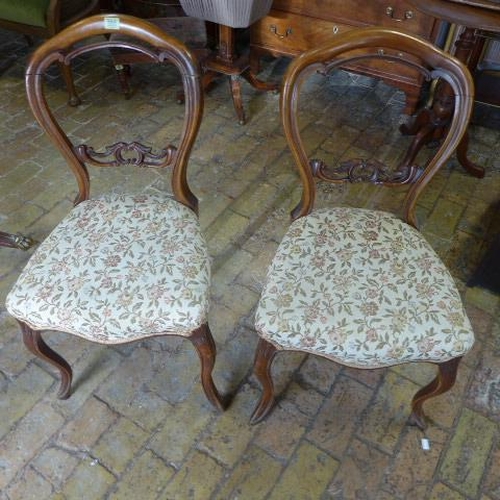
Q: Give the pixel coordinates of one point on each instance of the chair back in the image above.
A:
(94, 34)
(373, 46)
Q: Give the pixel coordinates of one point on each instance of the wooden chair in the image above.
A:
(120, 267)
(45, 18)
(362, 287)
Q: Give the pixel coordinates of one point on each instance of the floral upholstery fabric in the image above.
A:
(117, 269)
(363, 288)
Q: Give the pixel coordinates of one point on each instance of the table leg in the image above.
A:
(226, 61)
(235, 85)
(430, 123)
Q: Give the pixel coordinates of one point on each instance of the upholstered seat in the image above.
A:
(383, 297)
(117, 270)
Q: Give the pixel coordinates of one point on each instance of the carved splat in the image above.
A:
(126, 154)
(360, 170)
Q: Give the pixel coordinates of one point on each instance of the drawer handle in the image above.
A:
(275, 31)
(390, 12)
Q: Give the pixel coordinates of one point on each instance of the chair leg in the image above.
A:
(35, 344)
(123, 71)
(204, 343)
(444, 381)
(67, 75)
(264, 356)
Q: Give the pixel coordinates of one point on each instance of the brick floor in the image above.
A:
(138, 425)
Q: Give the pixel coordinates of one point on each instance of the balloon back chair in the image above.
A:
(120, 267)
(360, 286)
(45, 18)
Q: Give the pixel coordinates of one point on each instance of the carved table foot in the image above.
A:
(472, 168)
(430, 125)
(226, 61)
(259, 84)
(15, 241)
(428, 129)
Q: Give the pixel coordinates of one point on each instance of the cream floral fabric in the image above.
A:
(362, 288)
(117, 269)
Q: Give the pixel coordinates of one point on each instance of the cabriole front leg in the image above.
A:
(264, 356)
(447, 374)
(36, 345)
(204, 343)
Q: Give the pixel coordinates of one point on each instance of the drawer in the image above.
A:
(281, 33)
(391, 13)
(291, 34)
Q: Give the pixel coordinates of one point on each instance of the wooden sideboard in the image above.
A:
(293, 26)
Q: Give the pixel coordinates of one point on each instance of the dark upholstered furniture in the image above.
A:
(45, 18)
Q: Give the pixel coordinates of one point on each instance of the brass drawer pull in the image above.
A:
(390, 12)
(275, 31)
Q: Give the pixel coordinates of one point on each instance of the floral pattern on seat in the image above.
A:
(364, 289)
(117, 269)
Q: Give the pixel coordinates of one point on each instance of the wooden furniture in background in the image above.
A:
(294, 26)
(486, 67)
(226, 60)
(44, 19)
(169, 16)
(474, 15)
(190, 31)
(148, 9)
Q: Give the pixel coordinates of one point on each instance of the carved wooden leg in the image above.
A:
(421, 137)
(205, 346)
(264, 356)
(442, 108)
(15, 241)
(254, 60)
(34, 342)
(235, 83)
(444, 381)
(259, 84)
(123, 71)
(423, 118)
(472, 168)
(67, 75)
